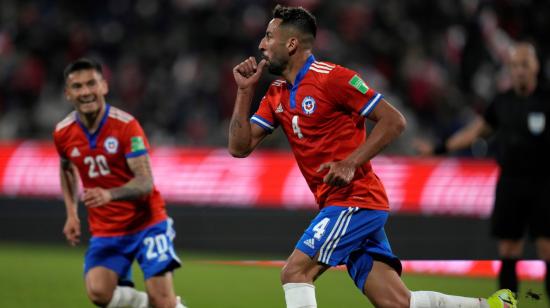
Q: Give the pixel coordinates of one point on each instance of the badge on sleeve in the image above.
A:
(536, 121)
(137, 144)
(359, 84)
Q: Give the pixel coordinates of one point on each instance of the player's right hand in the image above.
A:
(340, 173)
(248, 72)
(72, 230)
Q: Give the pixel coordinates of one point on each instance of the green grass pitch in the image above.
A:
(51, 276)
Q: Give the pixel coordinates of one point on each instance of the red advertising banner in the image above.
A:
(526, 269)
(438, 186)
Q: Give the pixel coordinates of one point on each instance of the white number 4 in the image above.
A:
(296, 127)
(320, 228)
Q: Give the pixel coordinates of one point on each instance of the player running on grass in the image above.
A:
(107, 148)
(321, 108)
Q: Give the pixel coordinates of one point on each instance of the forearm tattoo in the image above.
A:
(140, 185)
(235, 126)
(134, 189)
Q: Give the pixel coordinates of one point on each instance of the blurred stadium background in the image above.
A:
(169, 63)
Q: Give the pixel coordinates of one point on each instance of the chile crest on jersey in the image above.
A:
(309, 105)
(111, 145)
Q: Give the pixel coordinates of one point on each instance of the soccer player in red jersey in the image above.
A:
(321, 108)
(107, 148)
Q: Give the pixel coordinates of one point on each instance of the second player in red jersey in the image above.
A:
(100, 158)
(107, 149)
(323, 116)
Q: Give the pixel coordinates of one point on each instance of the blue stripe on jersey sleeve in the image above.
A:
(369, 106)
(136, 154)
(265, 124)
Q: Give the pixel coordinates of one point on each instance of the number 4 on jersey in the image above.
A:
(296, 127)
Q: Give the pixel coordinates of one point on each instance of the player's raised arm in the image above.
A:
(243, 136)
(69, 186)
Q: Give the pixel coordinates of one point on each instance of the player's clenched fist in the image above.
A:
(247, 73)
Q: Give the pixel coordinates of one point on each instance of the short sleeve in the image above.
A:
(135, 142)
(58, 146)
(348, 89)
(264, 116)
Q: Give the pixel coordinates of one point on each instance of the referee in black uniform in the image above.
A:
(519, 120)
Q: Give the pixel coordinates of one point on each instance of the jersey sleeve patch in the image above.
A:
(137, 144)
(137, 147)
(265, 124)
(359, 84)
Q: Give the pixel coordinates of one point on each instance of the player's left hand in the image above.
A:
(94, 197)
(340, 173)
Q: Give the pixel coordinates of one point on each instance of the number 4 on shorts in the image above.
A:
(320, 228)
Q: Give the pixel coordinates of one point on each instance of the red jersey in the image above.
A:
(101, 162)
(323, 116)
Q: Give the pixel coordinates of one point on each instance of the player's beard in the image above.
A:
(277, 66)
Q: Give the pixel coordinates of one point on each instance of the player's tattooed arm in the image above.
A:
(140, 185)
(235, 126)
(242, 137)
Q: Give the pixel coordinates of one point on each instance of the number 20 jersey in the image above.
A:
(323, 116)
(101, 162)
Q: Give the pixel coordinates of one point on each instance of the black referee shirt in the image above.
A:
(522, 133)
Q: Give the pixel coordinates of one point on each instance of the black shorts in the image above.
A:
(521, 205)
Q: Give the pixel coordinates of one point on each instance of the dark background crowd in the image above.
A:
(169, 62)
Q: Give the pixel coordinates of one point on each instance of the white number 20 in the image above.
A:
(156, 246)
(99, 163)
(320, 228)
